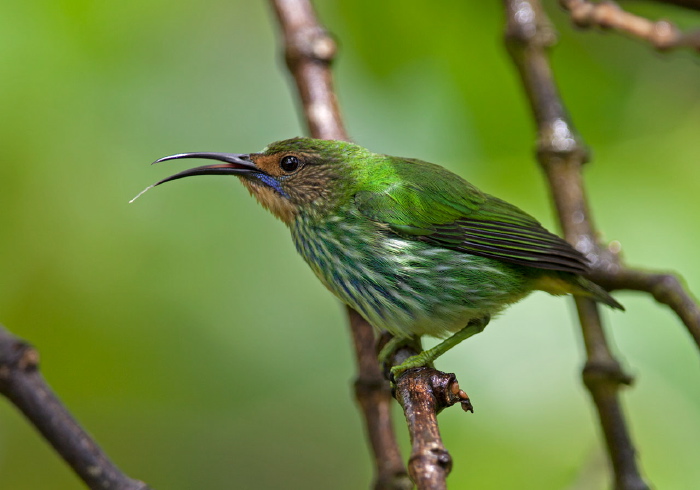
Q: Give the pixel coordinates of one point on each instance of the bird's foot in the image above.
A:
(427, 357)
(443, 387)
(419, 360)
(389, 348)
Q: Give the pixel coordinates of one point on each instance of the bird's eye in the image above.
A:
(289, 163)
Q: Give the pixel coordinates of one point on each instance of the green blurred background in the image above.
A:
(184, 332)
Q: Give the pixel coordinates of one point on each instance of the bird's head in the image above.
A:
(287, 176)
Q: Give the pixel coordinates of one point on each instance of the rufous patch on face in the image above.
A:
(270, 164)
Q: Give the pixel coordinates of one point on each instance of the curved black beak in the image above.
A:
(234, 164)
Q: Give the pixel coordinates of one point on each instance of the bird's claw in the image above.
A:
(412, 362)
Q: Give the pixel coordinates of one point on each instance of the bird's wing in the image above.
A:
(446, 211)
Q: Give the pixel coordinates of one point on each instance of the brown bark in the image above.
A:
(309, 52)
(22, 383)
(661, 34)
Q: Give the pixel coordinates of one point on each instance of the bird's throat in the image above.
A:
(271, 200)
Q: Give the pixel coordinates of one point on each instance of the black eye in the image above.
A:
(289, 163)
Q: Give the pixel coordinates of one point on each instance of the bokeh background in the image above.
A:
(184, 332)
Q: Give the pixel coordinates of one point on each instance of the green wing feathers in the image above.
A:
(449, 212)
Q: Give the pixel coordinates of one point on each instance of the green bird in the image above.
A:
(411, 246)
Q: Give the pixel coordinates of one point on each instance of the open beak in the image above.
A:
(234, 164)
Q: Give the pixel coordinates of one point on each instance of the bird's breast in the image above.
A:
(401, 285)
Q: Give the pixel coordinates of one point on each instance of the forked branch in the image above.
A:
(561, 154)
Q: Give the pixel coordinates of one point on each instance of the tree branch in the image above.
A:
(666, 288)
(607, 269)
(374, 397)
(561, 154)
(23, 385)
(662, 34)
(309, 52)
(423, 393)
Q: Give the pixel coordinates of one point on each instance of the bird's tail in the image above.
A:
(592, 290)
(565, 282)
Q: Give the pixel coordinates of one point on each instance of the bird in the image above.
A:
(411, 246)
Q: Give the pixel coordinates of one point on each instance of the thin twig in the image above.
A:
(666, 288)
(561, 154)
(662, 34)
(430, 463)
(374, 397)
(22, 383)
(309, 51)
(423, 393)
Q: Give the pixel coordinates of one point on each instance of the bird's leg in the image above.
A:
(474, 327)
(391, 346)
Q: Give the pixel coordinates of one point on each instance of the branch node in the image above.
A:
(525, 28)
(559, 143)
(664, 35)
(430, 457)
(16, 355)
(433, 456)
(581, 12)
(29, 360)
(312, 43)
(605, 372)
(664, 286)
